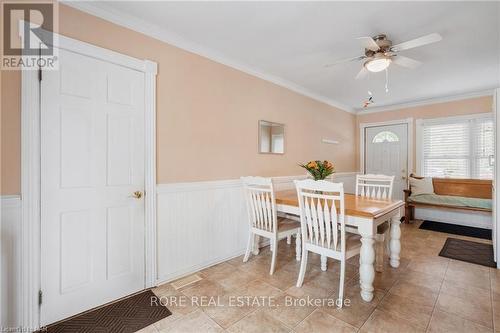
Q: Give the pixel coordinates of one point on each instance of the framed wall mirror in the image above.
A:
(271, 137)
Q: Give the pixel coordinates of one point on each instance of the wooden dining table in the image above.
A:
(364, 214)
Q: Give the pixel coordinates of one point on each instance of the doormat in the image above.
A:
(126, 316)
(456, 229)
(473, 252)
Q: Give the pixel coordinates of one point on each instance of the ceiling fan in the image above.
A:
(380, 53)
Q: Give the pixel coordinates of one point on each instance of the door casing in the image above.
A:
(30, 173)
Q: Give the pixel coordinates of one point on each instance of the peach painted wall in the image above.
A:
(207, 114)
(439, 110)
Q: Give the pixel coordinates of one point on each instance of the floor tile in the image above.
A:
(470, 274)
(384, 322)
(417, 314)
(291, 310)
(228, 310)
(442, 322)
(418, 294)
(429, 281)
(195, 322)
(319, 321)
(430, 265)
(357, 311)
(258, 322)
(477, 310)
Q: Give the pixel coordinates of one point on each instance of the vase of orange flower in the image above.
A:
(319, 170)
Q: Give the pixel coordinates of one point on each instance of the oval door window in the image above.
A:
(385, 136)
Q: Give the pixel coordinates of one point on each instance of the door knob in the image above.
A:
(137, 194)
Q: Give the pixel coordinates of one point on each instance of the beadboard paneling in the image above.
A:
(461, 217)
(10, 231)
(203, 223)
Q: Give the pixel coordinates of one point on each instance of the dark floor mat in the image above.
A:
(456, 229)
(128, 315)
(473, 252)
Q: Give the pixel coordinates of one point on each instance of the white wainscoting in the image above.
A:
(200, 224)
(472, 219)
(10, 232)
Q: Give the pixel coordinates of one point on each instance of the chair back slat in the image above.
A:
(261, 203)
(328, 229)
(374, 186)
(321, 221)
(322, 227)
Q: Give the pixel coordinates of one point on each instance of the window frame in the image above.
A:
(420, 123)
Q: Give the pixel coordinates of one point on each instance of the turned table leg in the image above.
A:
(366, 261)
(395, 243)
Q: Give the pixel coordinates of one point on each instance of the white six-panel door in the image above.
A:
(92, 161)
(386, 152)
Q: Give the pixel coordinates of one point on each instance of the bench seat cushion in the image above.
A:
(448, 200)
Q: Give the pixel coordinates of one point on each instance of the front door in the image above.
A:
(386, 153)
(92, 161)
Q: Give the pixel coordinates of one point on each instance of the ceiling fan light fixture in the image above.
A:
(377, 64)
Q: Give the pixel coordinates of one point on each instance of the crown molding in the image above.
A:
(427, 101)
(110, 14)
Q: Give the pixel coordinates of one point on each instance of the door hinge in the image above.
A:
(40, 297)
(39, 73)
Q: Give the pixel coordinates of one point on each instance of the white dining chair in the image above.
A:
(263, 218)
(378, 187)
(323, 226)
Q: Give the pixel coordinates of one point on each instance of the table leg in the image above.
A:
(256, 245)
(323, 263)
(298, 247)
(366, 260)
(395, 243)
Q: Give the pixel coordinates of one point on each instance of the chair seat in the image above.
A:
(285, 224)
(352, 242)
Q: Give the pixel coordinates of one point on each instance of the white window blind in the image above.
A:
(458, 148)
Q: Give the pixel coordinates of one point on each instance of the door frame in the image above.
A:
(30, 266)
(410, 146)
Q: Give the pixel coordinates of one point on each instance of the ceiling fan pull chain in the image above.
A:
(386, 80)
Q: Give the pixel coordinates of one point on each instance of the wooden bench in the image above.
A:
(469, 188)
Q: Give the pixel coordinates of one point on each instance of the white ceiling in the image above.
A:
(289, 42)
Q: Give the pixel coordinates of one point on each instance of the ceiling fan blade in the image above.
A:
(421, 41)
(369, 43)
(362, 73)
(345, 60)
(406, 62)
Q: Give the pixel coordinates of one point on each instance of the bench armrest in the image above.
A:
(407, 193)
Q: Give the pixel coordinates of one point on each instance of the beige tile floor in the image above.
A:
(427, 293)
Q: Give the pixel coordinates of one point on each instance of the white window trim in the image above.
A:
(30, 173)
(410, 152)
(419, 123)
